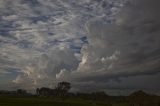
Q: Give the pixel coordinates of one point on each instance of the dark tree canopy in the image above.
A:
(21, 91)
(64, 86)
(61, 89)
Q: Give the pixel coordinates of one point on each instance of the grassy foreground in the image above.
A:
(51, 101)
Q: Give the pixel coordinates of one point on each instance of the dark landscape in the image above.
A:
(60, 96)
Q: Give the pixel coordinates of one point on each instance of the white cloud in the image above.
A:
(39, 40)
(45, 67)
(130, 37)
(37, 37)
(128, 47)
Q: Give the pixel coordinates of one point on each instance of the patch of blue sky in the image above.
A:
(75, 48)
(11, 73)
(25, 44)
(31, 2)
(84, 39)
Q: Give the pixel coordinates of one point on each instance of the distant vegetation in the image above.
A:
(60, 96)
(60, 90)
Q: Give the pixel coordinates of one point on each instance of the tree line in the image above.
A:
(60, 90)
(138, 98)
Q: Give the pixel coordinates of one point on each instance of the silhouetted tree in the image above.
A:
(44, 91)
(21, 91)
(63, 88)
(37, 91)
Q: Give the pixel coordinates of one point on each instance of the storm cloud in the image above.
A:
(123, 52)
(96, 45)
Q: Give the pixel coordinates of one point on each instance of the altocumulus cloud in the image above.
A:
(43, 40)
(40, 40)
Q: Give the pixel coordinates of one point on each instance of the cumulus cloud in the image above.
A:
(39, 40)
(86, 42)
(42, 69)
(127, 48)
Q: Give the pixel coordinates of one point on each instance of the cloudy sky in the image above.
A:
(97, 45)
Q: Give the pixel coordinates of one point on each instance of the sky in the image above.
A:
(97, 45)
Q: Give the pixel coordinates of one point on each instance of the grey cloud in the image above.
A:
(45, 36)
(42, 70)
(143, 53)
(128, 47)
(119, 44)
(121, 86)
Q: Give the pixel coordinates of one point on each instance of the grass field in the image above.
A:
(51, 101)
